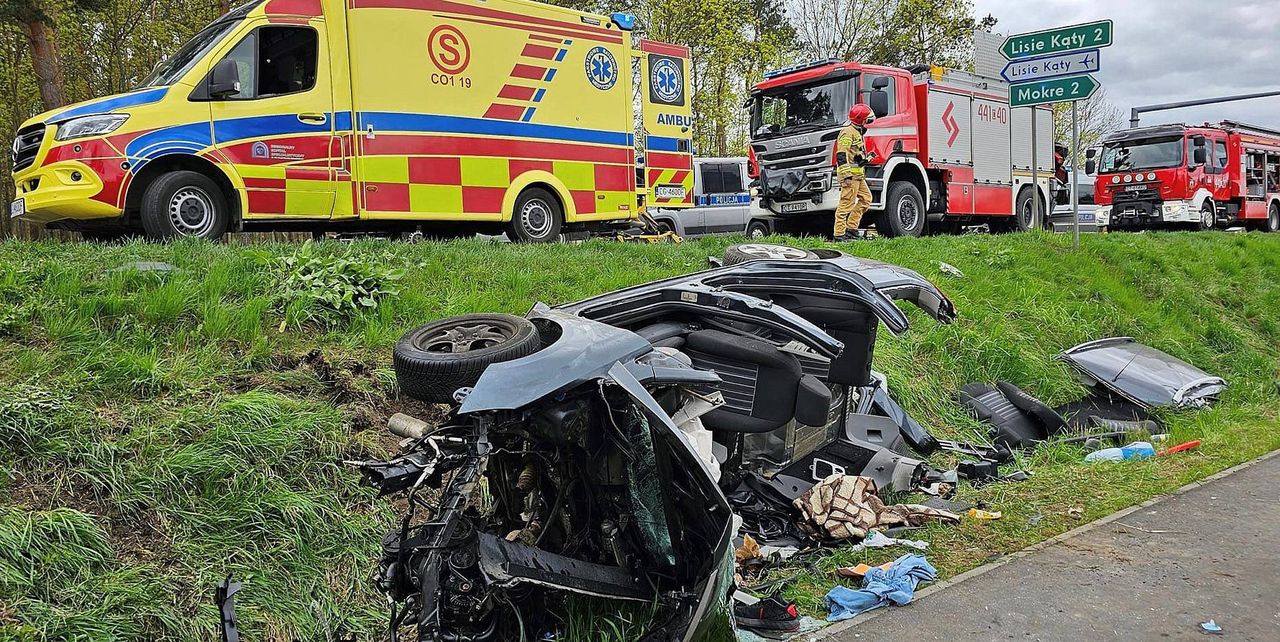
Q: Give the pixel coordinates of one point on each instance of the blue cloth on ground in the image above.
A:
(880, 587)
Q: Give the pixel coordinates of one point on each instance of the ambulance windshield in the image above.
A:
(801, 108)
(169, 71)
(1149, 153)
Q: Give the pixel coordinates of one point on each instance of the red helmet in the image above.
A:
(860, 114)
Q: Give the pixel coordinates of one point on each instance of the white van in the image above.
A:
(721, 199)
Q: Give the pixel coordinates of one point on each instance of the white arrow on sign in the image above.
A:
(1067, 64)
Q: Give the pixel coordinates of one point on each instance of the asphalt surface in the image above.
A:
(1212, 552)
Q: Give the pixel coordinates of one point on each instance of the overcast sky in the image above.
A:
(1171, 50)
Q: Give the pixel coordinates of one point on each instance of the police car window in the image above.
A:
(712, 179)
(731, 178)
(864, 93)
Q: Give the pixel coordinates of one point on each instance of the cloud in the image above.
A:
(1172, 50)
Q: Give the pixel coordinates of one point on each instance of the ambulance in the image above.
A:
(448, 116)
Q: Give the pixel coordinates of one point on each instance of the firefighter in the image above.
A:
(851, 160)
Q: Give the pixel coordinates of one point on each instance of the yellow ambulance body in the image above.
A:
(446, 115)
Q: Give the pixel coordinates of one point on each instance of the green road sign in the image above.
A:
(1058, 40)
(1056, 90)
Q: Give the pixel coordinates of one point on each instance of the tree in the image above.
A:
(39, 19)
(1098, 116)
(845, 29)
(934, 32)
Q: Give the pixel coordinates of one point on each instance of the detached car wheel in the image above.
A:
(184, 203)
(434, 360)
(743, 252)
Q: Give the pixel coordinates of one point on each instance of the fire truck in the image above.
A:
(1208, 176)
(359, 115)
(950, 151)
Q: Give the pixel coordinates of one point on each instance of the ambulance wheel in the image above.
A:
(1208, 217)
(537, 217)
(1027, 217)
(903, 211)
(757, 230)
(184, 203)
(1273, 219)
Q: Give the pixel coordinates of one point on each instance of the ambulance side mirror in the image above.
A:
(225, 79)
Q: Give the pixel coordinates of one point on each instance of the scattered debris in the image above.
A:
(224, 599)
(983, 515)
(950, 270)
(880, 587)
(772, 614)
(1211, 627)
(1194, 443)
(846, 507)
(1142, 374)
(876, 539)
(1144, 530)
(1075, 512)
(1135, 450)
(144, 267)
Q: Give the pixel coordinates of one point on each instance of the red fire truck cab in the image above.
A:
(949, 149)
(1208, 176)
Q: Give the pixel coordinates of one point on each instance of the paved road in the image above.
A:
(1219, 558)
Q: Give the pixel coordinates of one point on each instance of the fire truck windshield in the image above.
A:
(791, 110)
(1151, 153)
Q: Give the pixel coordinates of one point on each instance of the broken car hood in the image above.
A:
(1142, 374)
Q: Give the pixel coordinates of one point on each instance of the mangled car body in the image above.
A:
(587, 445)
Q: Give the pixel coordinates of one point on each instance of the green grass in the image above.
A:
(161, 430)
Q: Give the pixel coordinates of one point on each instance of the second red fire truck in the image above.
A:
(950, 151)
(1208, 176)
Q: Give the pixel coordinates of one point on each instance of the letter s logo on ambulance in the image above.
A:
(450, 52)
(602, 68)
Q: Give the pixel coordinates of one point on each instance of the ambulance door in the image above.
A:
(667, 115)
(278, 130)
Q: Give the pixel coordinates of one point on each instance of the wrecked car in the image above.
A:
(588, 447)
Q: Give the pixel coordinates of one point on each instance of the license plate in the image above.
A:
(669, 191)
(1086, 217)
(793, 207)
(17, 208)
(1134, 188)
(1130, 213)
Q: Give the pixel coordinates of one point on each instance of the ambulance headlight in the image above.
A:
(90, 126)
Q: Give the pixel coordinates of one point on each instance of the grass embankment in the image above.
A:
(160, 430)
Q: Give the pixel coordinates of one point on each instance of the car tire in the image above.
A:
(904, 213)
(1208, 217)
(743, 252)
(1025, 216)
(537, 218)
(435, 360)
(664, 226)
(184, 203)
(757, 229)
(1273, 219)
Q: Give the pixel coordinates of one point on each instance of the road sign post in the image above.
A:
(1053, 66)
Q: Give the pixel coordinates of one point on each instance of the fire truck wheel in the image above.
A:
(537, 217)
(1027, 217)
(1273, 219)
(903, 211)
(1207, 216)
(435, 360)
(184, 203)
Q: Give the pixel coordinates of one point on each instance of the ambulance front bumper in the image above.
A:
(59, 191)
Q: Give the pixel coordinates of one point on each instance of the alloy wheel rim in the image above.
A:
(191, 211)
(766, 251)
(464, 338)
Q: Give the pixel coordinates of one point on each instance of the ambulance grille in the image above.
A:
(26, 145)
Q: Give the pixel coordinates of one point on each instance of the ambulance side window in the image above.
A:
(274, 61)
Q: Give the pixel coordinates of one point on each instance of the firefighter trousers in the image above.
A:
(855, 200)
